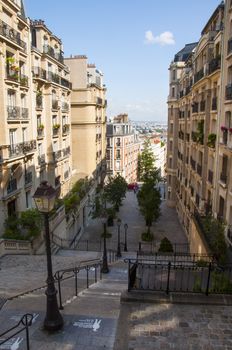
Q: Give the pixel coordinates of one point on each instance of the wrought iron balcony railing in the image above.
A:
(199, 75)
(214, 64)
(41, 159)
(49, 50)
(39, 73)
(65, 107)
(22, 148)
(11, 34)
(66, 151)
(14, 113)
(23, 79)
(57, 155)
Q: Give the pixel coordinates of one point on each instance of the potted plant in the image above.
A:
(211, 140)
(40, 127)
(56, 126)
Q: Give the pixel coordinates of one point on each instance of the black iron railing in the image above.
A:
(200, 276)
(12, 35)
(210, 176)
(214, 64)
(214, 104)
(228, 92)
(23, 325)
(92, 268)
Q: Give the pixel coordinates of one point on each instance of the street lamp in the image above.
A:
(44, 198)
(104, 268)
(125, 244)
(119, 248)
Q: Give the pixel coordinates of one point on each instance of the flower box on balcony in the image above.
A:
(224, 128)
(56, 126)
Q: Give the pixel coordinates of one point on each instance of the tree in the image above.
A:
(149, 203)
(115, 191)
(146, 164)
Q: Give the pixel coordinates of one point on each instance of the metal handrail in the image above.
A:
(61, 275)
(26, 321)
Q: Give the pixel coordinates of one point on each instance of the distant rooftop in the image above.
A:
(184, 54)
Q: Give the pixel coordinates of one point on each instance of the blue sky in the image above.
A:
(131, 41)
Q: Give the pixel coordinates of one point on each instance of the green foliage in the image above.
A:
(115, 191)
(147, 236)
(27, 226)
(211, 140)
(202, 263)
(78, 192)
(146, 164)
(197, 284)
(220, 282)
(149, 202)
(31, 222)
(166, 246)
(214, 234)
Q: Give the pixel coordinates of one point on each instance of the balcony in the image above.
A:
(55, 130)
(55, 104)
(55, 78)
(187, 137)
(28, 178)
(199, 169)
(65, 129)
(57, 181)
(23, 80)
(202, 106)
(228, 93)
(199, 75)
(187, 90)
(214, 64)
(223, 178)
(210, 176)
(24, 113)
(57, 155)
(39, 73)
(12, 35)
(66, 151)
(12, 75)
(41, 159)
(13, 113)
(22, 148)
(65, 83)
(11, 186)
(49, 50)
(40, 131)
(214, 104)
(65, 107)
(229, 47)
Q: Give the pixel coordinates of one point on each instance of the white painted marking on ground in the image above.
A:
(93, 324)
(11, 344)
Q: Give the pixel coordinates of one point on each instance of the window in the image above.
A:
(12, 137)
(173, 75)
(173, 91)
(40, 149)
(24, 134)
(39, 121)
(11, 98)
(28, 199)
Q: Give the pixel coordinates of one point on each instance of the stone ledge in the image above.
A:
(176, 298)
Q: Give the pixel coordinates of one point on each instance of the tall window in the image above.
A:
(12, 137)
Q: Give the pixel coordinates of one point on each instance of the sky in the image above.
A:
(131, 41)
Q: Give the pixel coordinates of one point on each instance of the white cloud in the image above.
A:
(165, 38)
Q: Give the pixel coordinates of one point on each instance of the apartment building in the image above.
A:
(122, 149)
(197, 167)
(88, 121)
(17, 136)
(223, 203)
(51, 107)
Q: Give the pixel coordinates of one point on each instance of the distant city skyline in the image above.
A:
(132, 42)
